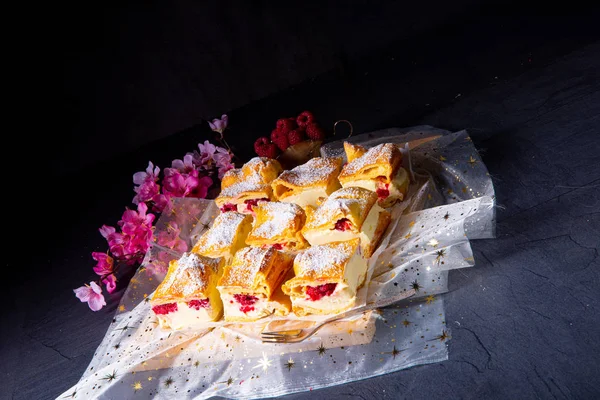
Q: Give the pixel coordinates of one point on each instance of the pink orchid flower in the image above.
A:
(151, 174)
(186, 166)
(106, 231)
(145, 192)
(176, 184)
(110, 282)
(219, 125)
(162, 203)
(92, 295)
(170, 238)
(105, 263)
(132, 219)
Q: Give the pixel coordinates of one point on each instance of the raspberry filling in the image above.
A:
(165, 308)
(228, 207)
(276, 246)
(251, 203)
(247, 302)
(318, 292)
(383, 191)
(343, 225)
(198, 304)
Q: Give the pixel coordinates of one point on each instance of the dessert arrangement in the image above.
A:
(286, 242)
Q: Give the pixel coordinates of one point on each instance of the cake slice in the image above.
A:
(243, 188)
(251, 285)
(327, 278)
(348, 213)
(226, 236)
(188, 295)
(377, 169)
(310, 183)
(278, 225)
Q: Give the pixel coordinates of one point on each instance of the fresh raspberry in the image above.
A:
(318, 292)
(163, 309)
(247, 301)
(305, 118)
(315, 132)
(198, 304)
(343, 224)
(286, 125)
(280, 139)
(295, 136)
(263, 148)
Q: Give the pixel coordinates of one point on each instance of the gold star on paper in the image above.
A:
(205, 226)
(169, 382)
(472, 161)
(196, 363)
(442, 158)
(394, 352)
(72, 395)
(406, 322)
(289, 364)
(137, 386)
(440, 254)
(430, 299)
(237, 338)
(223, 335)
(412, 223)
(116, 346)
(321, 349)
(110, 377)
(443, 336)
(464, 189)
(150, 378)
(446, 216)
(433, 243)
(415, 285)
(125, 328)
(263, 363)
(122, 307)
(408, 236)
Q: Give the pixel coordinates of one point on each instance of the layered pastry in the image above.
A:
(251, 285)
(377, 169)
(327, 278)
(188, 295)
(226, 236)
(310, 183)
(348, 213)
(243, 188)
(278, 225)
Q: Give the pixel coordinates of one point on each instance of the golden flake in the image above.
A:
(196, 363)
(412, 223)
(237, 338)
(430, 299)
(122, 307)
(442, 158)
(464, 189)
(408, 236)
(472, 161)
(149, 378)
(429, 196)
(406, 322)
(137, 386)
(223, 335)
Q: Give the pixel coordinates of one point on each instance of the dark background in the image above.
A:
(130, 83)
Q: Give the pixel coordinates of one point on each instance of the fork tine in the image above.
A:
(290, 333)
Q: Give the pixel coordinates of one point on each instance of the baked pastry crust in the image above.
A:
(316, 173)
(337, 265)
(353, 151)
(255, 273)
(380, 162)
(278, 223)
(226, 236)
(252, 181)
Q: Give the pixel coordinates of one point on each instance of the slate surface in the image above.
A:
(525, 321)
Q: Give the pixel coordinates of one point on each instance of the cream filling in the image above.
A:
(372, 185)
(186, 316)
(366, 235)
(309, 197)
(232, 307)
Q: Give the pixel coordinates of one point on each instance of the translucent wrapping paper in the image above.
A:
(451, 200)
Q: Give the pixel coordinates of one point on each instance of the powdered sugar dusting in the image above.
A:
(278, 217)
(222, 233)
(250, 183)
(369, 158)
(339, 204)
(316, 170)
(320, 260)
(246, 264)
(190, 275)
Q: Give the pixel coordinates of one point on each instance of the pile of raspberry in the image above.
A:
(288, 132)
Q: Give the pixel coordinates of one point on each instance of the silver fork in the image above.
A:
(306, 329)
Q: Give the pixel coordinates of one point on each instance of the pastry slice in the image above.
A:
(278, 225)
(188, 295)
(310, 183)
(243, 188)
(250, 286)
(226, 236)
(327, 278)
(348, 213)
(377, 169)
